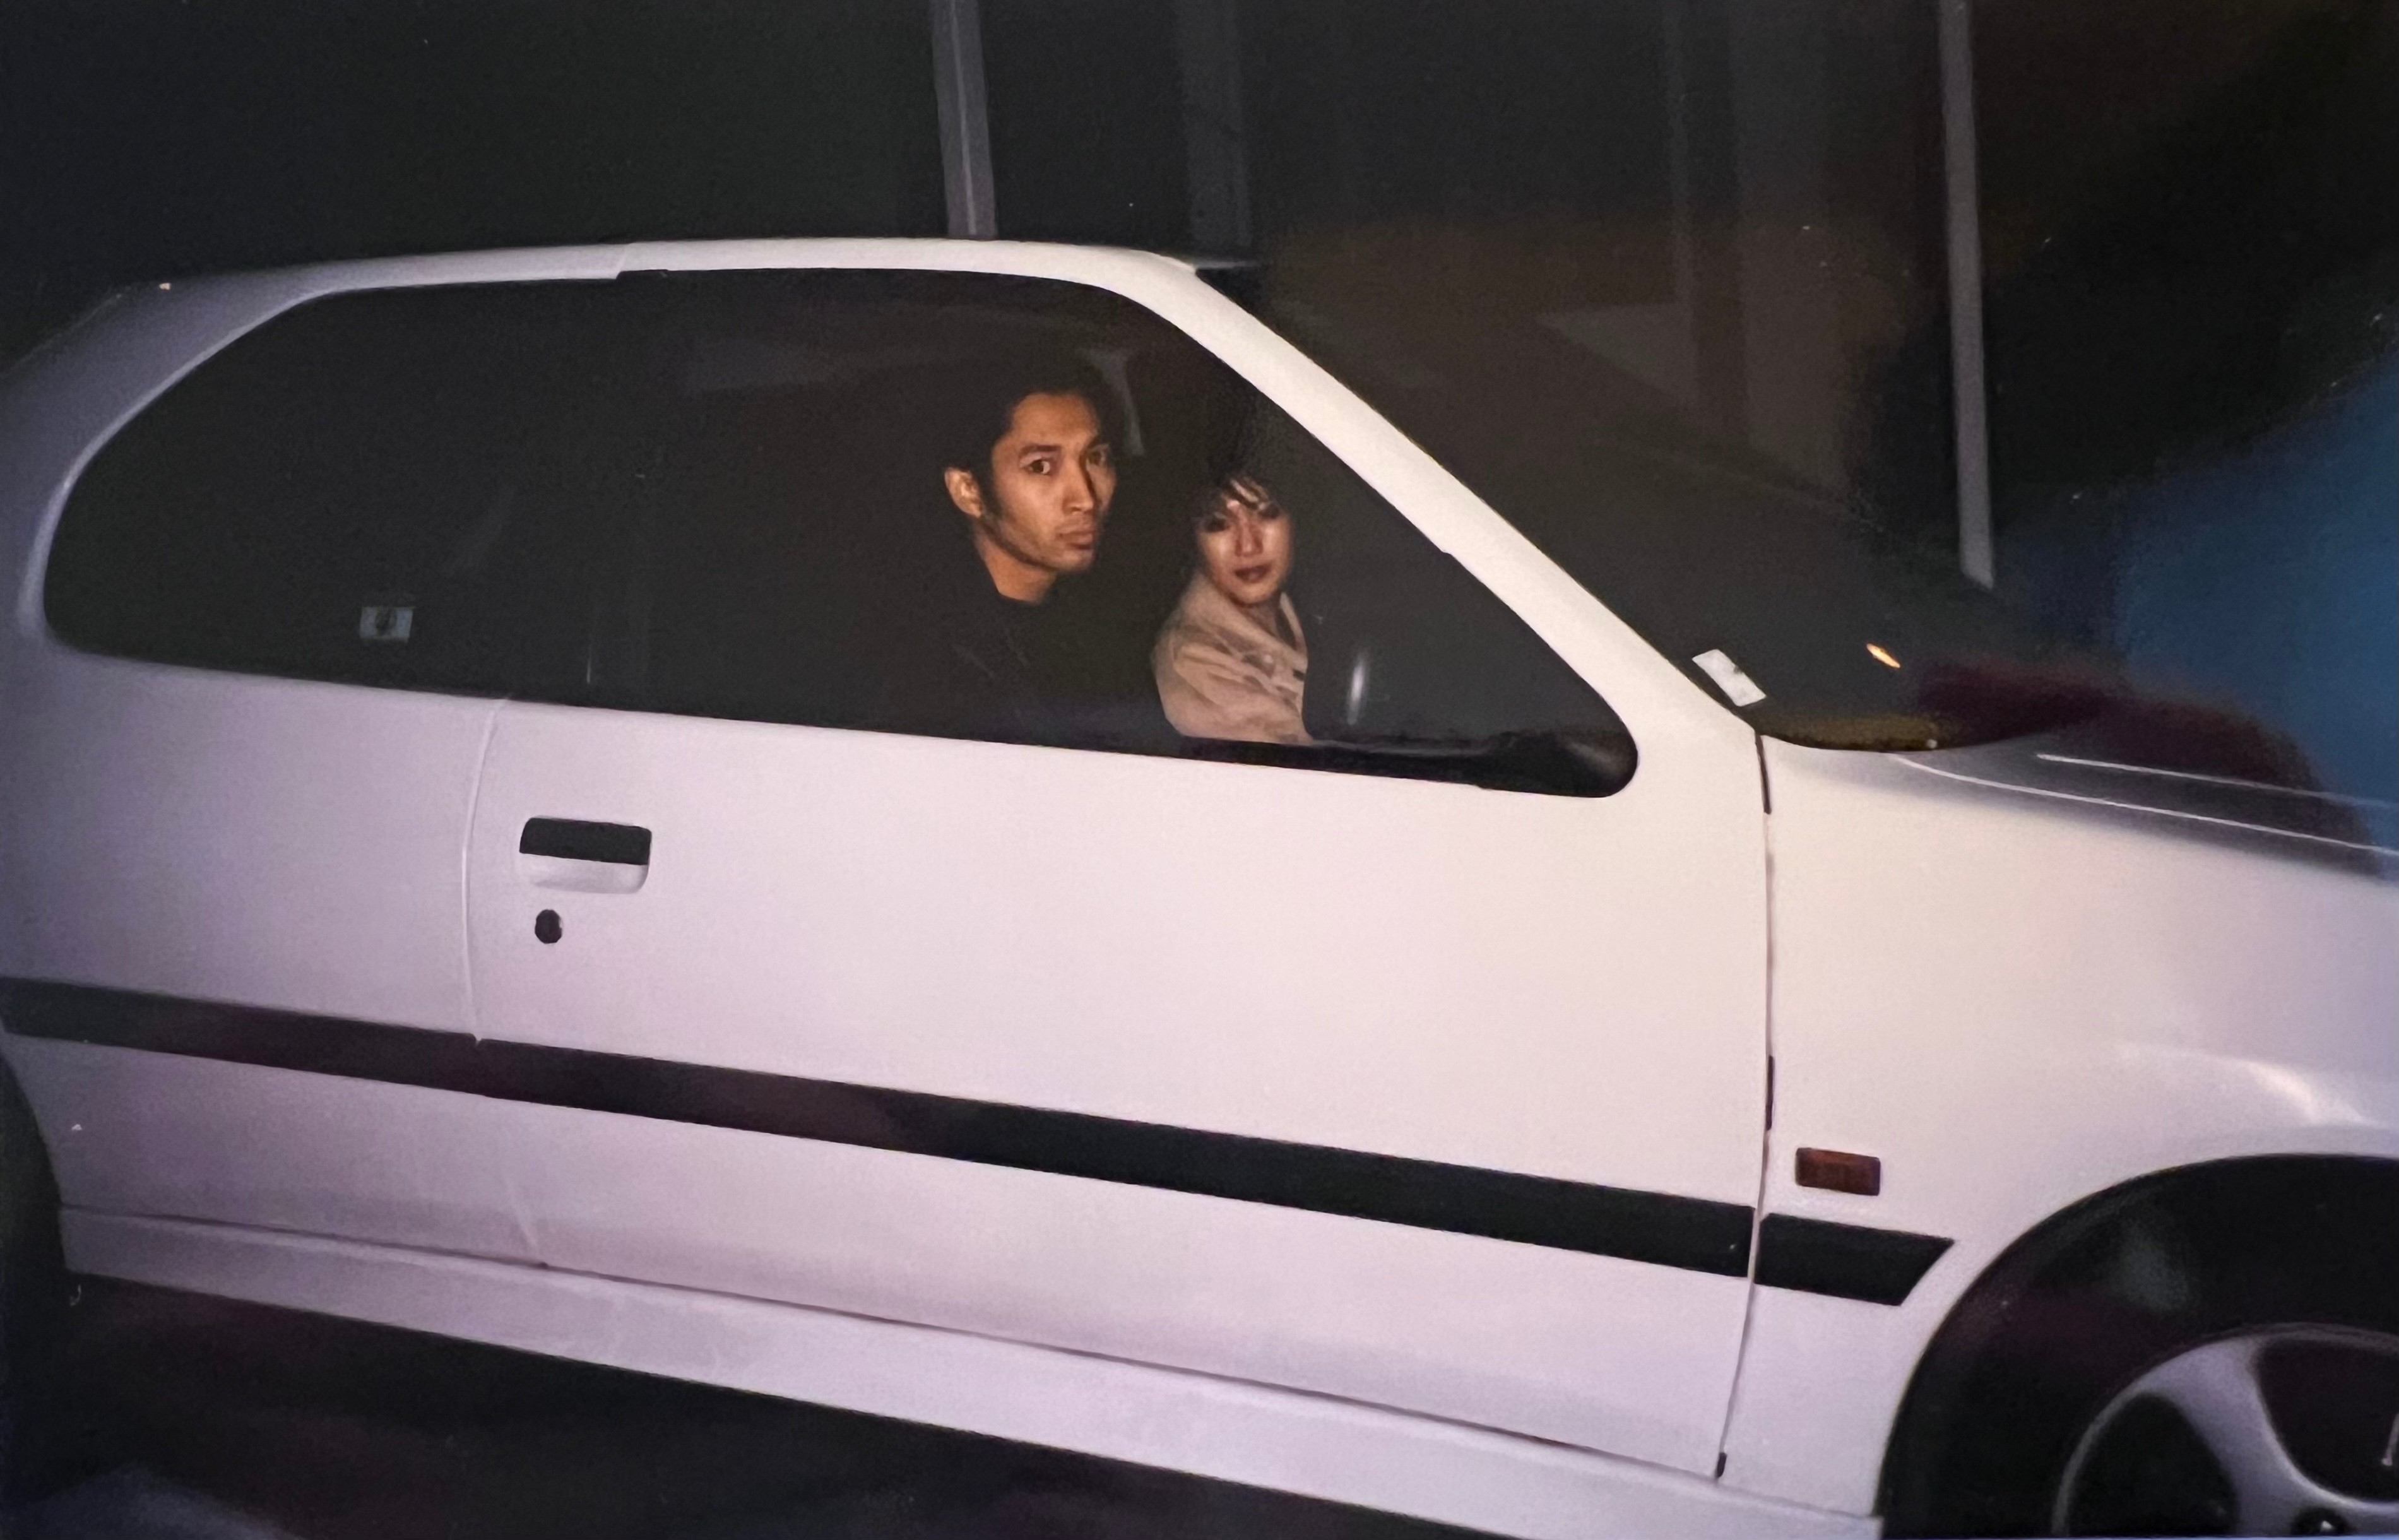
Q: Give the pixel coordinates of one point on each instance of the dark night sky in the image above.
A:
(2190, 210)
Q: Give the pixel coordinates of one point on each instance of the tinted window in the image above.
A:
(807, 562)
(739, 495)
(389, 489)
(1662, 282)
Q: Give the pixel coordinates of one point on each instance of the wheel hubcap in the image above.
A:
(2286, 1430)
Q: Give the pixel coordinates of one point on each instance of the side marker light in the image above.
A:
(1841, 1172)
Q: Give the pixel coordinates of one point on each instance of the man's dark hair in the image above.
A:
(989, 387)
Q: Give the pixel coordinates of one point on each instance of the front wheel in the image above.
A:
(2213, 1349)
(2273, 1430)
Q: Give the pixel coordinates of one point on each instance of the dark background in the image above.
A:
(2166, 186)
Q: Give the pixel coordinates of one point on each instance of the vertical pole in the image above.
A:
(1977, 554)
(1702, 59)
(1209, 51)
(965, 118)
(1675, 33)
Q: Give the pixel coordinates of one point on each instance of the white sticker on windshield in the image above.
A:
(1738, 687)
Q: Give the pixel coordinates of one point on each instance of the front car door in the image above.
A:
(1353, 1068)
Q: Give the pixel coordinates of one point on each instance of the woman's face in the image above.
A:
(1245, 542)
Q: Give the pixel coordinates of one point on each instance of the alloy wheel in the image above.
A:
(2283, 1430)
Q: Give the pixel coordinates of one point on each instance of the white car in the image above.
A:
(467, 863)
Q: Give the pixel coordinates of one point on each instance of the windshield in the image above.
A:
(1859, 633)
(1687, 291)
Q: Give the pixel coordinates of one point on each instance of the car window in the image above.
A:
(810, 498)
(808, 559)
(379, 489)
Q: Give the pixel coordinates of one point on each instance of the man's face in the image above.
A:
(1038, 515)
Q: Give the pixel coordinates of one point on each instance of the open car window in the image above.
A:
(806, 562)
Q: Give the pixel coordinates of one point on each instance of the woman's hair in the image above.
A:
(1206, 498)
(988, 387)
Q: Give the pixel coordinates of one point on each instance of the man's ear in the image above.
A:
(965, 490)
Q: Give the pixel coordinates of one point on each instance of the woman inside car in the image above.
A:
(1231, 661)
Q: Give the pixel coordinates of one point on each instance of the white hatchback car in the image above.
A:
(488, 844)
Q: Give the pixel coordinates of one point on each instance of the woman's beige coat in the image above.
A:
(1222, 675)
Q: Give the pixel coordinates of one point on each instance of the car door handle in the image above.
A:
(575, 840)
(583, 855)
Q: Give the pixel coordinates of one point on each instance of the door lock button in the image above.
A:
(545, 929)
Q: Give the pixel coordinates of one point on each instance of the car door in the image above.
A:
(1381, 1066)
(248, 704)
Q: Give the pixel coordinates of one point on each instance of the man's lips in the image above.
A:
(1259, 573)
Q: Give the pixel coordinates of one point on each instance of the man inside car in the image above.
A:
(1033, 467)
(1029, 462)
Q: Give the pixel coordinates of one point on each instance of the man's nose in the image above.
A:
(1248, 538)
(1080, 493)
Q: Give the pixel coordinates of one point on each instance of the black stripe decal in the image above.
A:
(1816, 1256)
(1656, 1227)
(1699, 1235)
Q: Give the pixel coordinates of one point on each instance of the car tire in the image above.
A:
(2204, 1355)
(32, 1296)
(2271, 1431)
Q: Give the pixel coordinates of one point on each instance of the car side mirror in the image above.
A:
(1578, 762)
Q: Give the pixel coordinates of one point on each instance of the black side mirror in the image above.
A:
(1581, 761)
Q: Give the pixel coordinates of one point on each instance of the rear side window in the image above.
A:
(393, 489)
